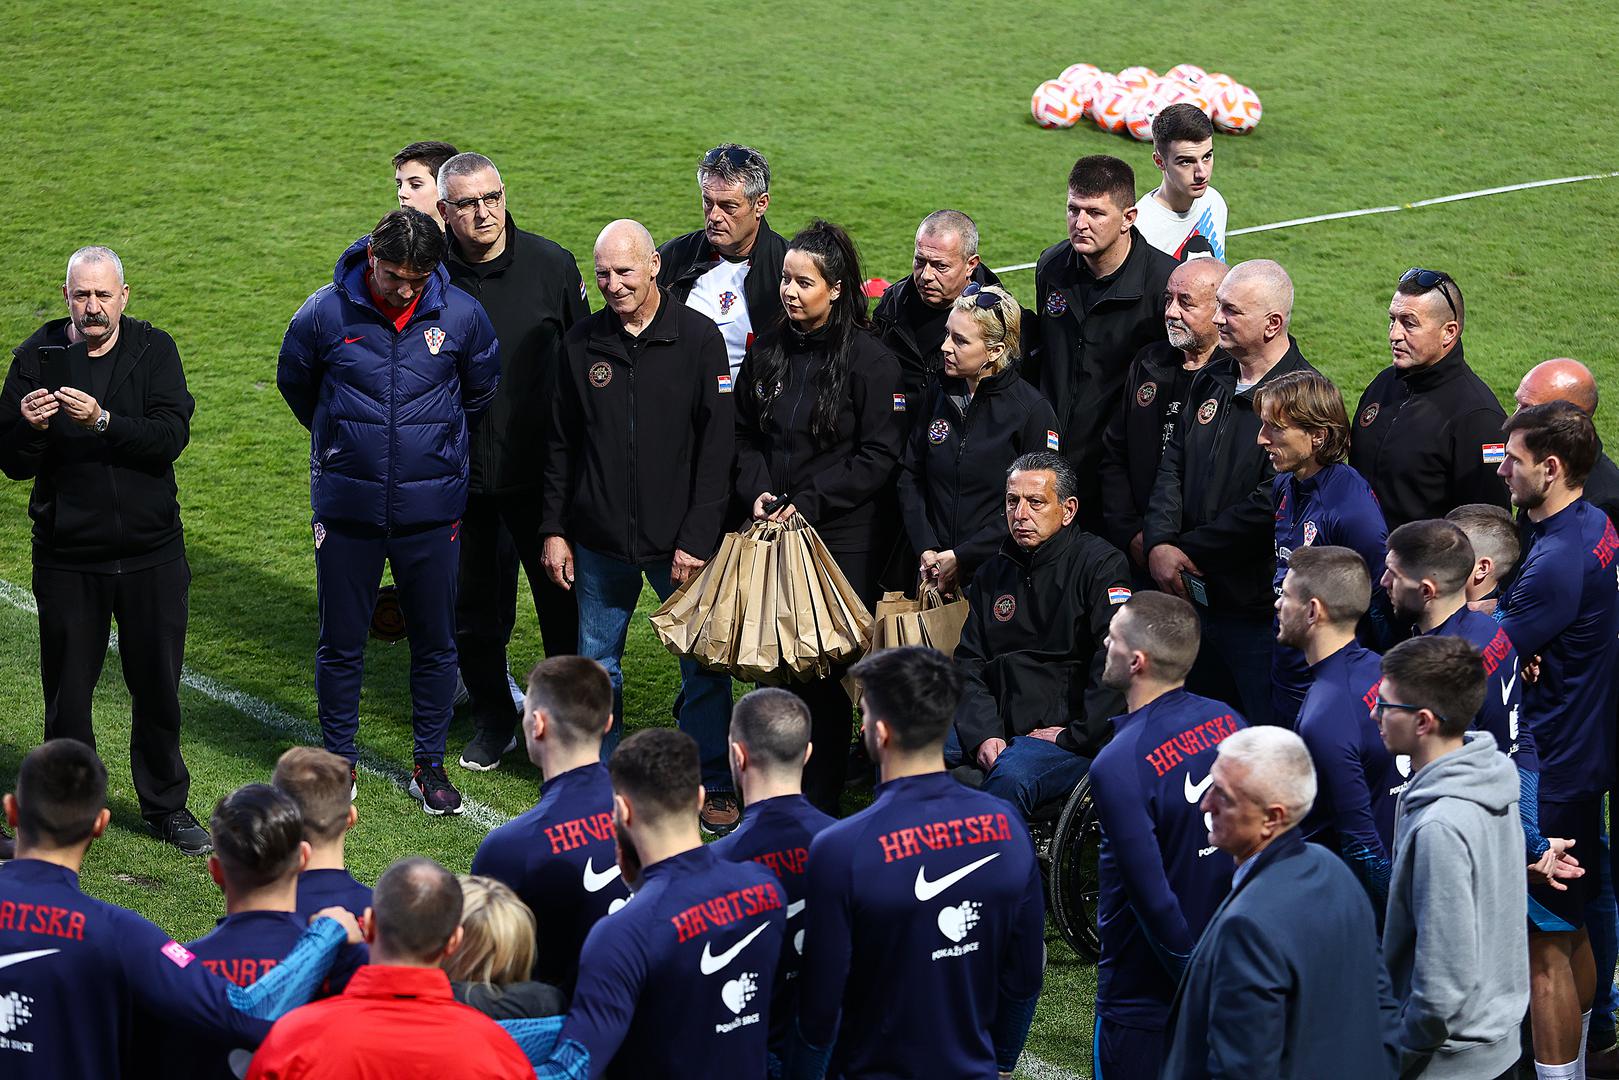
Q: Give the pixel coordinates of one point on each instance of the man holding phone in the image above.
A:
(95, 411)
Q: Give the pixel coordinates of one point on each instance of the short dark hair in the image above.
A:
(429, 152)
(1102, 174)
(416, 906)
(1441, 673)
(1067, 480)
(1446, 286)
(410, 238)
(1336, 576)
(1167, 629)
(658, 770)
(913, 690)
(61, 790)
(256, 831)
(774, 725)
(1561, 429)
(320, 783)
(1492, 532)
(577, 695)
(1436, 550)
(1184, 122)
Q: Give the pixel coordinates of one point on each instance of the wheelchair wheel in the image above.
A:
(1074, 886)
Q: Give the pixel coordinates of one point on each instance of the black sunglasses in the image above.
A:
(986, 301)
(1431, 279)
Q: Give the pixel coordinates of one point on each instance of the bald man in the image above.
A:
(1155, 391)
(638, 471)
(1569, 380)
(1210, 527)
(1427, 432)
(531, 290)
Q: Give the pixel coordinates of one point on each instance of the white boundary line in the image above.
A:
(279, 720)
(1370, 210)
(276, 719)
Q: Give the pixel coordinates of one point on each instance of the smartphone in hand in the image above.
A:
(1195, 588)
(52, 366)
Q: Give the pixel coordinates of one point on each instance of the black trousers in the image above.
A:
(76, 611)
(498, 532)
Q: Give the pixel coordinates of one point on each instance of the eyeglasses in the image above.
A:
(490, 201)
(1432, 279)
(985, 301)
(1383, 706)
(735, 156)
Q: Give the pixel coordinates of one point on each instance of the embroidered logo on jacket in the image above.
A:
(601, 374)
(1005, 608)
(1206, 411)
(723, 383)
(435, 339)
(938, 431)
(1369, 414)
(1145, 395)
(1494, 453)
(1056, 303)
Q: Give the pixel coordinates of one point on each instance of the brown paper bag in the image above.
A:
(850, 633)
(680, 619)
(930, 621)
(758, 653)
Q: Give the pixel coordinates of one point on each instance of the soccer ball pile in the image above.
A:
(1129, 100)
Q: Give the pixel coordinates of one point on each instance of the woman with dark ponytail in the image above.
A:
(818, 434)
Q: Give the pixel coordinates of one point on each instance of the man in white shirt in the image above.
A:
(1184, 216)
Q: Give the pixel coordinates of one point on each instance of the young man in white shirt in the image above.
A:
(1184, 216)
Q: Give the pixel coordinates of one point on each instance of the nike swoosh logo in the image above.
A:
(352, 340)
(794, 908)
(926, 890)
(595, 882)
(19, 957)
(1506, 688)
(1194, 792)
(709, 964)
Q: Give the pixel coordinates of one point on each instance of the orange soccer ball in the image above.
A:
(1055, 104)
(1138, 77)
(1236, 110)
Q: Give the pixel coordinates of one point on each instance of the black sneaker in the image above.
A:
(484, 751)
(183, 831)
(721, 813)
(433, 787)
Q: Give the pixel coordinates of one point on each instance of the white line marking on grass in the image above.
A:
(1370, 210)
(276, 719)
(1035, 1068)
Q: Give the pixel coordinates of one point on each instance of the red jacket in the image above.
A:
(389, 1022)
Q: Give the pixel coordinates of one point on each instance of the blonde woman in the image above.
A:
(975, 422)
(490, 971)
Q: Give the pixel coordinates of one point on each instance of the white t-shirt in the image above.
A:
(1170, 232)
(718, 294)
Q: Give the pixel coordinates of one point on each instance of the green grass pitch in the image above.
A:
(230, 151)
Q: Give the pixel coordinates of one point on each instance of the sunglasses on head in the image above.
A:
(986, 301)
(735, 156)
(1431, 279)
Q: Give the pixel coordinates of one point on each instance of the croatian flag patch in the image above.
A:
(899, 402)
(178, 954)
(1118, 594)
(1495, 452)
(724, 382)
(1051, 440)
(581, 288)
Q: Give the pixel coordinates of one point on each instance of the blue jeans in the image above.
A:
(1234, 665)
(607, 590)
(1600, 920)
(1029, 773)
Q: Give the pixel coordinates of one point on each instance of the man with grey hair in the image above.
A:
(1286, 980)
(1209, 531)
(911, 315)
(95, 411)
(1034, 709)
(532, 292)
(644, 393)
(730, 269)
(1427, 432)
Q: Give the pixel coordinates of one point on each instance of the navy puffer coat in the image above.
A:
(387, 410)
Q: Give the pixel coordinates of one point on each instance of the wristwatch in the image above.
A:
(101, 422)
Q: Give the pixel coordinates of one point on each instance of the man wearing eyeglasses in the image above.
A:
(532, 291)
(730, 269)
(1427, 432)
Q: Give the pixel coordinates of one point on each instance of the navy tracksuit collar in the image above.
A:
(39, 872)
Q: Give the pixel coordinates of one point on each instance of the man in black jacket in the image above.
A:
(1210, 527)
(730, 269)
(531, 290)
(911, 315)
(637, 478)
(1033, 708)
(95, 411)
(1155, 392)
(1427, 433)
(1099, 300)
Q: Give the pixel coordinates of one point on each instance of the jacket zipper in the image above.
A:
(787, 432)
(393, 430)
(112, 479)
(632, 464)
(961, 451)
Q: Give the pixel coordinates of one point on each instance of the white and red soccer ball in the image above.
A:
(1138, 78)
(1190, 74)
(1111, 109)
(1143, 110)
(1079, 74)
(1236, 110)
(1056, 104)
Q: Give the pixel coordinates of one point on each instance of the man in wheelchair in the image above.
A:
(1033, 709)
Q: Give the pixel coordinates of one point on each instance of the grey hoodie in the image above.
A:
(1455, 940)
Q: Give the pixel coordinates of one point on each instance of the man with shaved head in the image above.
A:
(1155, 391)
(1210, 525)
(1427, 433)
(638, 472)
(1568, 380)
(531, 289)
